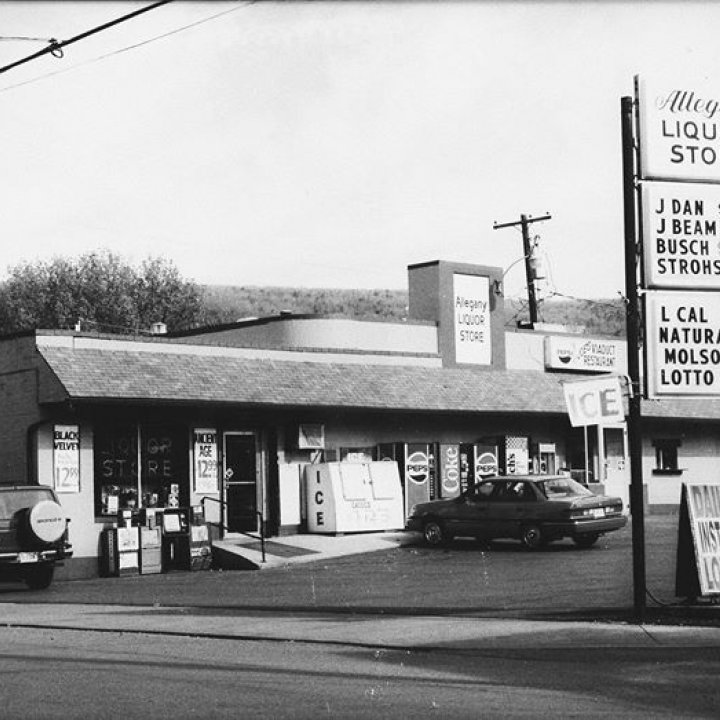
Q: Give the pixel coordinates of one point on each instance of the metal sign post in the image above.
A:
(634, 421)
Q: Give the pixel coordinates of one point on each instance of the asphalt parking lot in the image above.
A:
(463, 578)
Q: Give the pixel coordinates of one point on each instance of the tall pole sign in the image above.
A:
(679, 129)
(673, 198)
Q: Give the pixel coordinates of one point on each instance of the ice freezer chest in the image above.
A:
(353, 497)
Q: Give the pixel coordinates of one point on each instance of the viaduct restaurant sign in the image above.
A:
(564, 352)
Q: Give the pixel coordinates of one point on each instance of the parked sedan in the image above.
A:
(534, 509)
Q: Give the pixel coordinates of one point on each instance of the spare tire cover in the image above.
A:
(46, 521)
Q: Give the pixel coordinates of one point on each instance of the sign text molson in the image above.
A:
(686, 334)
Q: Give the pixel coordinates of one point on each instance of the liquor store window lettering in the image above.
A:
(163, 477)
(666, 457)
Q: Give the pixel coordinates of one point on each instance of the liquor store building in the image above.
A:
(227, 418)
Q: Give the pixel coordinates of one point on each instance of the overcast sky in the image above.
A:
(332, 144)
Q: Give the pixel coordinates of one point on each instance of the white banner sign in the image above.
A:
(681, 233)
(206, 461)
(679, 130)
(471, 301)
(594, 402)
(66, 458)
(683, 344)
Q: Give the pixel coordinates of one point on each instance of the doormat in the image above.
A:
(279, 549)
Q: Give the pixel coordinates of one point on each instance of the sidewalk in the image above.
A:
(377, 630)
(295, 549)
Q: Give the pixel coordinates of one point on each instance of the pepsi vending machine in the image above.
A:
(477, 461)
(416, 465)
(486, 461)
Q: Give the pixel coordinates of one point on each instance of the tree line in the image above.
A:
(104, 292)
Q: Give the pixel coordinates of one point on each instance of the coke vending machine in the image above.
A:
(449, 470)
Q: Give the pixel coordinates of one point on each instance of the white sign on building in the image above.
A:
(206, 460)
(681, 235)
(66, 458)
(471, 318)
(683, 344)
(565, 352)
(679, 130)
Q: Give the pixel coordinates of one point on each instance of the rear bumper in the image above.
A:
(587, 527)
(34, 556)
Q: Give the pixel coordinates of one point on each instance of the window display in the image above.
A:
(163, 478)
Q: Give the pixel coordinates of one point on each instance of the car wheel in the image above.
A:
(39, 577)
(433, 533)
(532, 537)
(586, 541)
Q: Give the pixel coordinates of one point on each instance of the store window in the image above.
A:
(666, 457)
(162, 459)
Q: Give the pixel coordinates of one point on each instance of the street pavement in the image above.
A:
(290, 600)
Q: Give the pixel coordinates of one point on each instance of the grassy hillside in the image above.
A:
(226, 304)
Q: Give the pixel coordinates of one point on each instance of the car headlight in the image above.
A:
(413, 508)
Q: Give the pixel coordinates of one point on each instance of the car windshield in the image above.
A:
(559, 488)
(14, 500)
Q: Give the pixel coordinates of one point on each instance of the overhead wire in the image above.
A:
(55, 47)
(127, 48)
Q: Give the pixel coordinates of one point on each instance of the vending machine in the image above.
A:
(486, 461)
(448, 467)
(515, 454)
(120, 551)
(415, 473)
(477, 461)
(416, 465)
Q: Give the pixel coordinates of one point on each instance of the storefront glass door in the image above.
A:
(617, 469)
(240, 472)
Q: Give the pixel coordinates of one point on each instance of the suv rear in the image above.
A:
(33, 534)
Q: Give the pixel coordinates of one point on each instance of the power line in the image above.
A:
(25, 37)
(126, 48)
(55, 47)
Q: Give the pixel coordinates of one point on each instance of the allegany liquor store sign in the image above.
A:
(679, 130)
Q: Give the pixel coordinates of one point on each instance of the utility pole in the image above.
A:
(524, 222)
